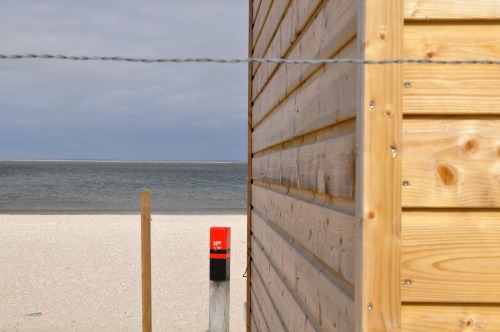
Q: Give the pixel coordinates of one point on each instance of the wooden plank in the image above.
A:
(254, 11)
(452, 9)
(273, 20)
(450, 318)
(450, 256)
(451, 162)
(326, 98)
(292, 25)
(260, 20)
(267, 316)
(325, 304)
(452, 89)
(435, 89)
(478, 41)
(326, 166)
(379, 169)
(294, 318)
(326, 233)
(333, 28)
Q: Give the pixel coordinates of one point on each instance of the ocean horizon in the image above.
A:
(114, 186)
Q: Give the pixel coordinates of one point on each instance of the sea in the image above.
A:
(115, 187)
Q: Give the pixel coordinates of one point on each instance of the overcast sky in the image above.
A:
(54, 109)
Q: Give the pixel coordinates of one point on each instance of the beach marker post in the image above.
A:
(220, 255)
(146, 261)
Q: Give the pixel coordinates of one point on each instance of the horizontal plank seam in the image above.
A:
(254, 14)
(452, 117)
(291, 46)
(289, 192)
(453, 304)
(273, 34)
(334, 277)
(292, 292)
(451, 21)
(256, 40)
(304, 137)
(278, 314)
(303, 81)
(445, 210)
(256, 299)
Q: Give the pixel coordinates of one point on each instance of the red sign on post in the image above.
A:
(220, 253)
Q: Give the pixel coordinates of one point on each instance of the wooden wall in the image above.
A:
(374, 191)
(450, 240)
(302, 170)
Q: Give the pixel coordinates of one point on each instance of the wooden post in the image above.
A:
(146, 260)
(220, 254)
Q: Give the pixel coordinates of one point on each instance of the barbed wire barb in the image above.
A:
(246, 60)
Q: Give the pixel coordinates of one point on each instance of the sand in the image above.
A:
(83, 272)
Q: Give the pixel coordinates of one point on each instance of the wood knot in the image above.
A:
(371, 215)
(468, 323)
(447, 174)
(470, 145)
(430, 54)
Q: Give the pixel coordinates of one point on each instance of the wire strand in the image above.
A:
(247, 60)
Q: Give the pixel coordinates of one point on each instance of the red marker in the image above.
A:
(220, 253)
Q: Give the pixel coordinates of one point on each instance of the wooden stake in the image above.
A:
(146, 260)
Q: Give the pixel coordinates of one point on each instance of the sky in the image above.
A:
(56, 109)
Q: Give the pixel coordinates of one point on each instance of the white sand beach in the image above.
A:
(83, 272)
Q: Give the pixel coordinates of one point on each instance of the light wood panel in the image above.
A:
(327, 234)
(267, 316)
(451, 89)
(273, 21)
(325, 304)
(294, 318)
(298, 14)
(379, 169)
(333, 28)
(451, 162)
(452, 9)
(260, 20)
(326, 167)
(447, 318)
(326, 98)
(450, 256)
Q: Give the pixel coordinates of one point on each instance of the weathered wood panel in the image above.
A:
(325, 166)
(333, 28)
(450, 256)
(326, 233)
(264, 310)
(451, 162)
(298, 14)
(452, 9)
(260, 20)
(452, 89)
(446, 318)
(273, 21)
(292, 315)
(326, 305)
(326, 98)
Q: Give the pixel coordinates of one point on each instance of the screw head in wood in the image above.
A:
(370, 307)
(407, 84)
(372, 105)
(408, 282)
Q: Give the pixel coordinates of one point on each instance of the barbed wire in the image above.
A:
(247, 60)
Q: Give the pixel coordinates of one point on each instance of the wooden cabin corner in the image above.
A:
(374, 189)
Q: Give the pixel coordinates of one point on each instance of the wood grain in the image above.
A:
(451, 162)
(450, 256)
(379, 169)
(270, 27)
(333, 28)
(326, 166)
(325, 304)
(452, 9)
(260, 20)
(327, 234)
(326, 98)
(450, 318)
